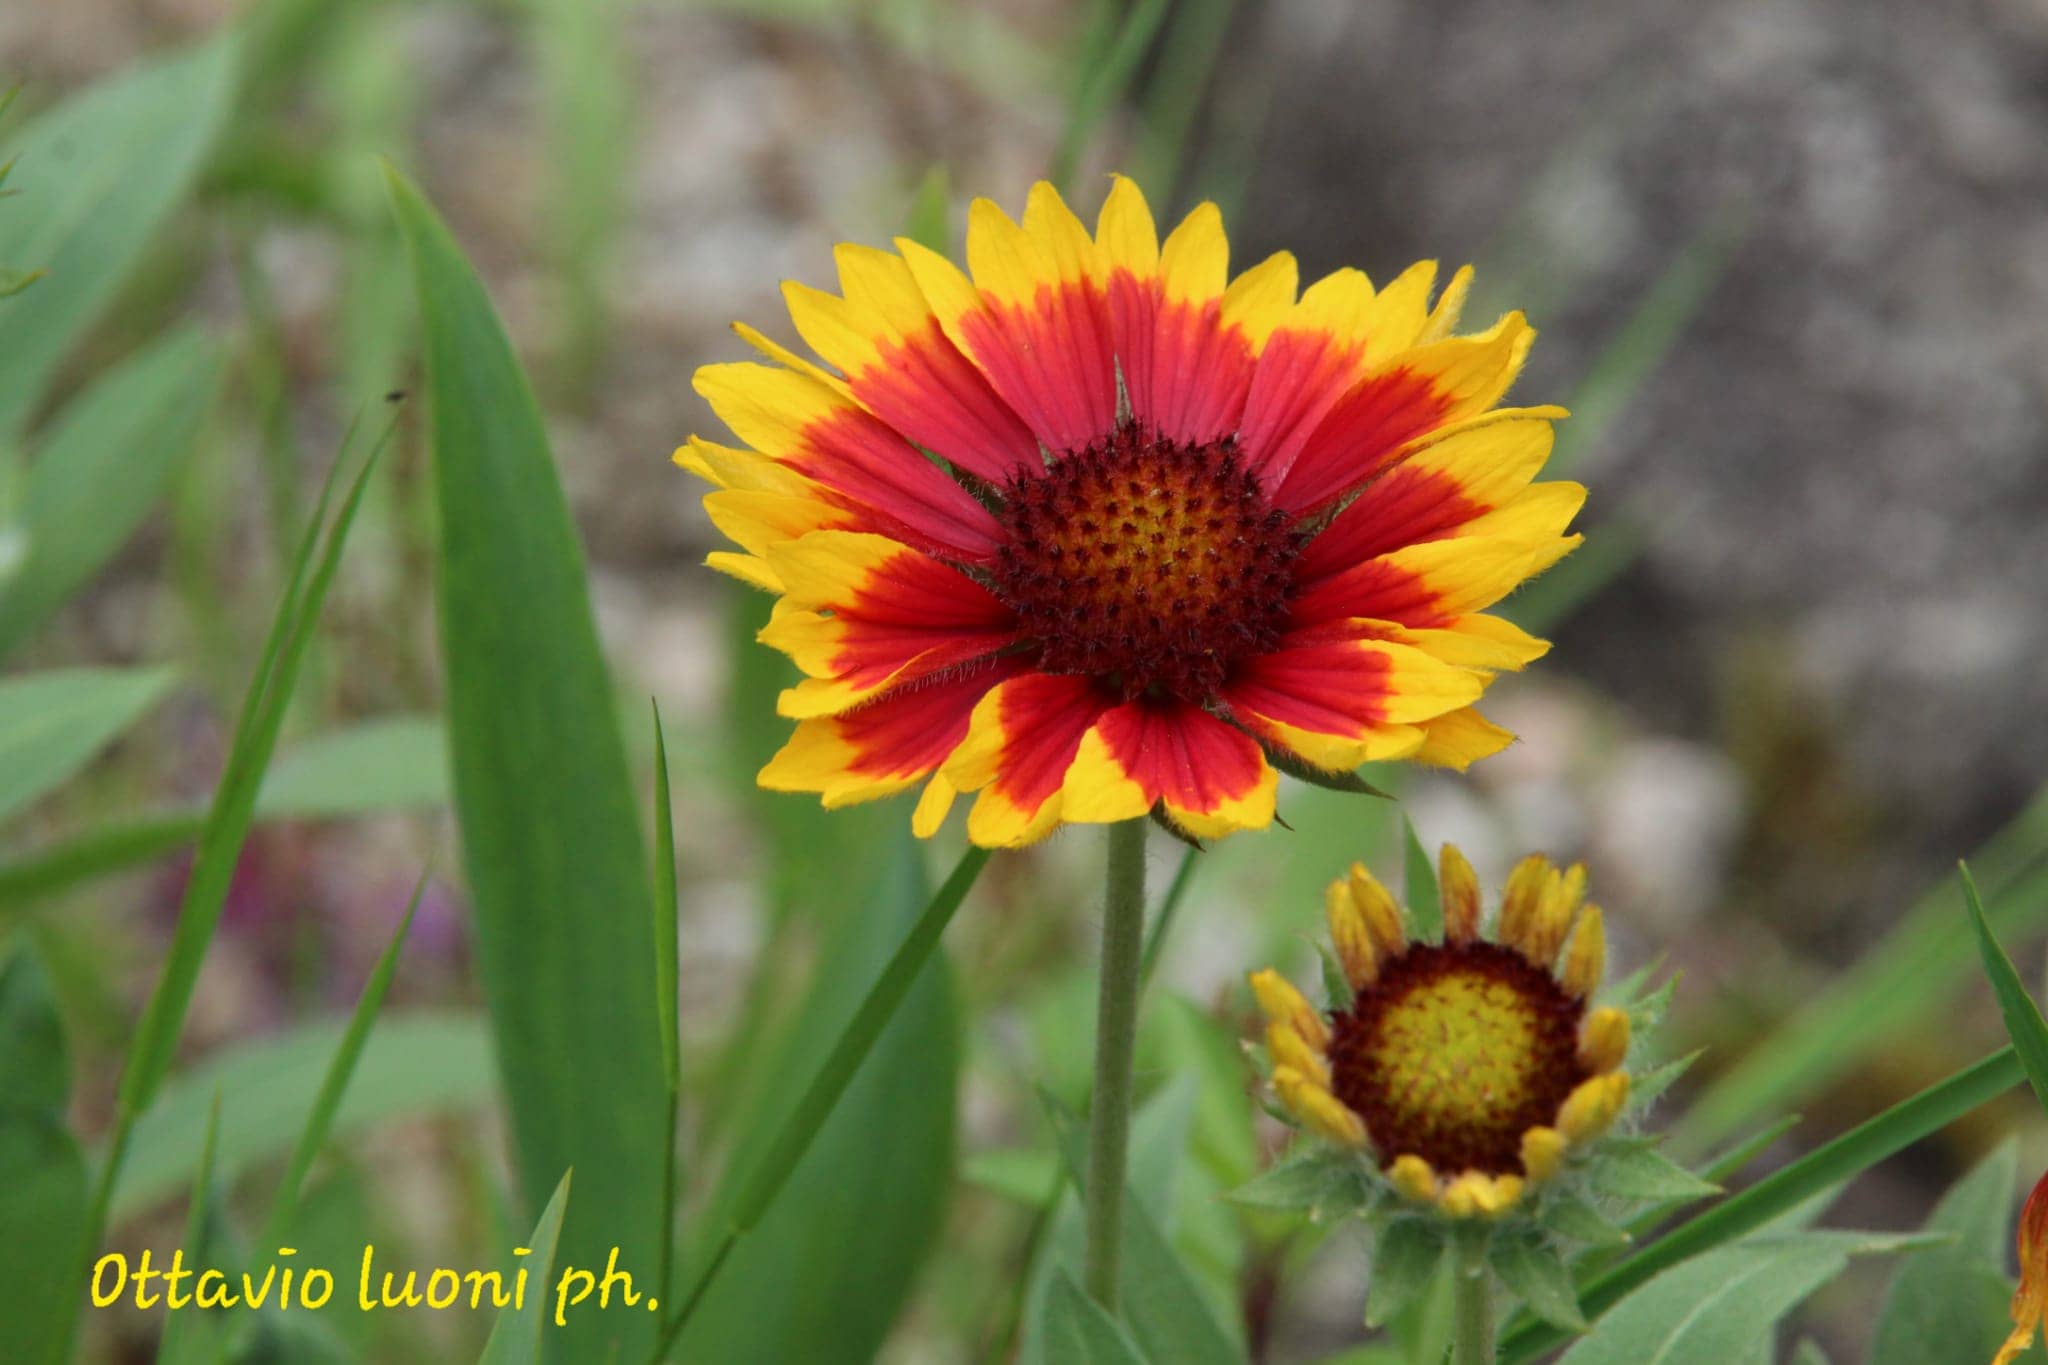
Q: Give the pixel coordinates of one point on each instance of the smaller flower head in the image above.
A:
(1467, 1073)
(2030, 1301)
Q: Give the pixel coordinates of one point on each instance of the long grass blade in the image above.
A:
(1169, 907)
(1892, 990)
(785, 1150)
(666, 954)
(1105, 76)
(516, 1336)
(1820, 1170)
(320, 1119)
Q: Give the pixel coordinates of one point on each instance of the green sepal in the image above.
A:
(1404, 1260)
(1572, 1218)
(1317, 777)
(1538, 1276)
(1632, 1168)
(1647, 1088)
(1325, 1181)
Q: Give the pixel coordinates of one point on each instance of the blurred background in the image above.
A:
(1789, 258)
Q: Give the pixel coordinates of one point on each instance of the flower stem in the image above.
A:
(1116, 1033)
(1472, 1312)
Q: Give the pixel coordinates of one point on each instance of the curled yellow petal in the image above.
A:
(1603, 1040)
(1349, 935)
(1585, 957)
(1315, 1106)
(1290, 1049)
(1592, 1108)
(1542, 1153)
(1478, 1195)
(1283, 1004)
(1458, 885)
(1376, 907)
(1521, 899)
(1414, 1178)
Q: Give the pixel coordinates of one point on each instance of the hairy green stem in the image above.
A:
(1116, 1034)
(1472, 1313)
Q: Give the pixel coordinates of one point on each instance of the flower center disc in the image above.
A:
(1146, 563)
(1456, 1052)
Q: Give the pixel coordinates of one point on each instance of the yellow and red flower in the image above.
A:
(1094, 530)
(1468, 1070)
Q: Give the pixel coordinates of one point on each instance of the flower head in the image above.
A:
(1094, 530)
(2030, 1300)
(1468, 1071)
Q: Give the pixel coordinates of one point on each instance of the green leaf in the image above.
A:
(43, 1196)
(1537, 1276)
(320, 1118)
(1169, 907)
(96, 176)
(666, 908)
(1784, 1190)
(1629, 1170)
(550, 826)
(1077, 1332)
(1163, 1304)
(849, 1177)
(516, 1336)
(2023, 1022)
(1949, 1302)
(413, 1065)
(389, 763)
(52, 723)
(1404, 1262)
(194, 1337)
(97, 475)
(1717, 1307)
(1425, 900)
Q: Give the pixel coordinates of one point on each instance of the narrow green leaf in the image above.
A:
(836, 1191)
(550, 825)
(1783, 1190)
(194, 1337)
(234, 802)
(930, 220)
(1425, 900)
(43, 1195)
(2023, 1022)
(667, 951)
(1716, 1308)
(96, 176)
(1169, 907)
(666, 946)
(1077, 1331)
(1892, 992)
(1106, 74)
(414, 1065)
(392, 763)
(320, 1119)
(52, 723)
(1534, 1274)
(1949, 1302)
(1404, 1262)
(110, 457)
(516, 1336)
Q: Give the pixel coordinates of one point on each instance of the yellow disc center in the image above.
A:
(1456, 1052)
